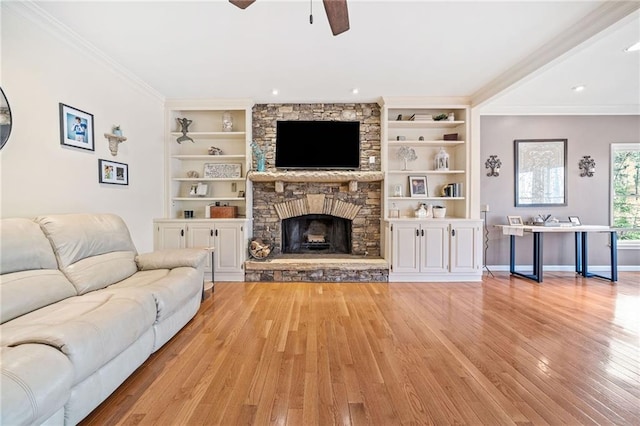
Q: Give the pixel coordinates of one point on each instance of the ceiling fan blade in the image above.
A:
(338, 15)
(242, 4)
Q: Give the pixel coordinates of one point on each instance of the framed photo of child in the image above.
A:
(76, 128)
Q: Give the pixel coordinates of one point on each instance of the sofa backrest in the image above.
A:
(93, 250)
(29, 275)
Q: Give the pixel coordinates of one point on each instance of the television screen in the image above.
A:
(318, 145)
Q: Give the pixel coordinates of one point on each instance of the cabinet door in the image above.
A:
(434, 248)
(229, 247)
(200, 235)
(170, 235)
(465, 247)
(405, 247)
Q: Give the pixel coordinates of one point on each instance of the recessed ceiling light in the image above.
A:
(355, 91)
(274, 92)
(633, 48)
(578, 88)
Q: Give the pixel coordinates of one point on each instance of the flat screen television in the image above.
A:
(318, 145)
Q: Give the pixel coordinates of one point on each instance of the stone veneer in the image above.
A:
(366, 226)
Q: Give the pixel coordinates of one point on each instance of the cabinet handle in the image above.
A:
(211, 232)
(423, 232)
(453, 232)
(216, 232)
(182, 232)
(417, 232)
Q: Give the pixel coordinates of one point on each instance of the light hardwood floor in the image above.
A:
(503, 351)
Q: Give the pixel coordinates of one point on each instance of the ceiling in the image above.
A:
(211, 49)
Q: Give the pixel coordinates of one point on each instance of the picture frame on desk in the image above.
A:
(515, 220)
(575, 220)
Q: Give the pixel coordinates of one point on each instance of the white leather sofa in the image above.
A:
(80, 310)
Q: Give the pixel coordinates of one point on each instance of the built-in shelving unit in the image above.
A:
(406, 123)
(206, 130)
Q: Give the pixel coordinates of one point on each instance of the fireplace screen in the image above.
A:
(316, 233)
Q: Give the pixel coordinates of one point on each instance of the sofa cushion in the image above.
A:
(91, 329)
(35, 382)
(93, 250)
(171, 288)
(29, 278)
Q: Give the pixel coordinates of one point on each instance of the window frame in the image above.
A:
(616, 147)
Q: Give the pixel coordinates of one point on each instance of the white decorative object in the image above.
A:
(397, 190)
(222, 170)
(442, 160)
(451, 117)
(227, 122)
(193, 174)
(421, 213)
(114, 141)
(439, 211)
(394, 212)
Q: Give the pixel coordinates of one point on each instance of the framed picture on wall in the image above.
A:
(76, 128)
(113, 173)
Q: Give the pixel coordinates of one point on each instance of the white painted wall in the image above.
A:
(41, 66)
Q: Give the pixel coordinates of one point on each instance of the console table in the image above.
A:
(581, 233)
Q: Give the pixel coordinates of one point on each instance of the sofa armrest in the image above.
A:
(169, 259)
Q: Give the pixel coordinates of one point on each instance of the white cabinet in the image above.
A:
(409, 124)
(228, 237)
(219, 155)
(434, 250)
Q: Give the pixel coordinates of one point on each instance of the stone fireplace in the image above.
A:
(337, 234)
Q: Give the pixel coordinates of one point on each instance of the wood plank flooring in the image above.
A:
(505, 351)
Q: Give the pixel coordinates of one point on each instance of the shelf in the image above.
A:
(405, 124)
(212, 135)
(315, 176)
(425, 143)
(213, 158)
(426, 172)
(208, 179)
(208, 199)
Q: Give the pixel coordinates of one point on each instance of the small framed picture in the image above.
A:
(575, 220)
(240, 194)
(397, 190)
(76, 128)
(223, 170)
(112, 172)
(515, 220)
(418, 186)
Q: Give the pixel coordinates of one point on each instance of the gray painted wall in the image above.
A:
(588, 198)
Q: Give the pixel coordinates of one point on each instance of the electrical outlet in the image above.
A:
(372, 160)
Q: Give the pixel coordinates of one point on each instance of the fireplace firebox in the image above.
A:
(316, 233)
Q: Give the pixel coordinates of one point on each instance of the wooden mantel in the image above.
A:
(353, 177)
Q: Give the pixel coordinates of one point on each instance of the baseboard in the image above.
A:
(566, 268)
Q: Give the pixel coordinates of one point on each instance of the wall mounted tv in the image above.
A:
(318, 145)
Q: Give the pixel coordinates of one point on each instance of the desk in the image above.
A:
(581, 233)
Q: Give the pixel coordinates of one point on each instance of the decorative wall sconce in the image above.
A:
(493, 163)
(114, 141)
(587, 166)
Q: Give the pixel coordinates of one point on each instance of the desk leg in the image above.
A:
(578, 255)
(537, 258)
(613, 260)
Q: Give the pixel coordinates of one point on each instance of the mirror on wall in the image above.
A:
(5, 119)
(540, 172)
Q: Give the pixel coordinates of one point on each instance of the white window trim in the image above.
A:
(622, 245)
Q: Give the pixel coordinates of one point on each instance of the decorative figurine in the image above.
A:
(184, 128)
(227, 122)
(214, 151)
(442, 160)
(406, 154)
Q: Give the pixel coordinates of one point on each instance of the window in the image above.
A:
(625, 190)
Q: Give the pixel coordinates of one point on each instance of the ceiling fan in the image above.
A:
(337, 13)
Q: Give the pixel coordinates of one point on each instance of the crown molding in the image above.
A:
(546, 56)
(561, 110)
(34, 13)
